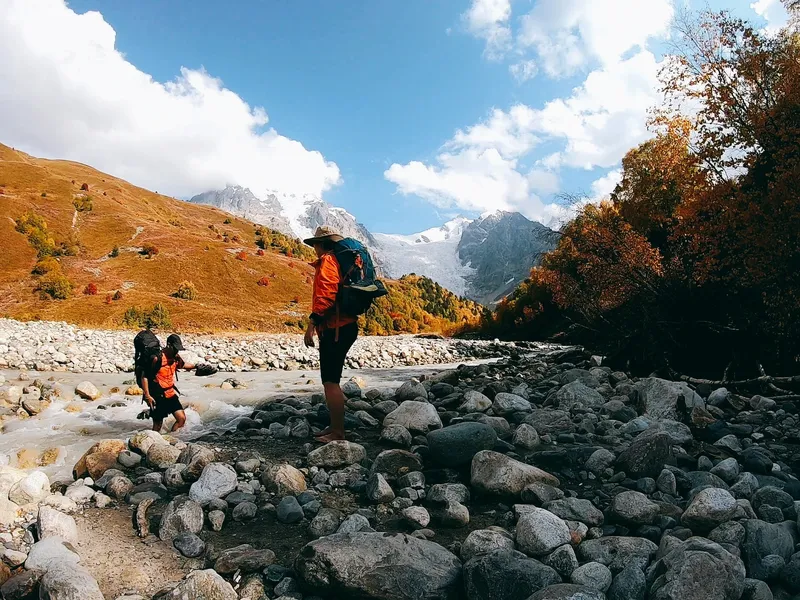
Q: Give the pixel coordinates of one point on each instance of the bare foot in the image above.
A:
(331, 437)
(326, 431)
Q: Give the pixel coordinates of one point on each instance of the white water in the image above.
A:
(208, 409)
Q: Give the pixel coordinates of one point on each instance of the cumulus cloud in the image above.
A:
(489, 20)
(569, 34)
(482, 167)
(773, 12)
(602, 187)
(524, 70)
(68, 93)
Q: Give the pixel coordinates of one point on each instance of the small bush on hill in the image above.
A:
(44, 194)
(186, 291)
(47, 265)
(84, 187)
(82, 203)
(260, 252)
(227, 221)
(241, 255)
(264, 281)
(35, 228)
(117, 295)
(155, 318)
(149, 250)
(90, 289)
(56, 285)
(114, 252)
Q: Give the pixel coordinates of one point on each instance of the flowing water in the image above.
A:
(56, 438)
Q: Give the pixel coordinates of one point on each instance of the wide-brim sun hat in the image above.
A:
(323, 233)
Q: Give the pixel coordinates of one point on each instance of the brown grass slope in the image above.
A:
(228, 295)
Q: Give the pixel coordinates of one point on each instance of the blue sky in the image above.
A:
(362, 85)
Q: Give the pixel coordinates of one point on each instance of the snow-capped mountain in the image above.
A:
(483, 259)
(433, 253)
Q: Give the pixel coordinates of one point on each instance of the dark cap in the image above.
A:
(175, 342)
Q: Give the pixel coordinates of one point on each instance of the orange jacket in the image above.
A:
(326, 286)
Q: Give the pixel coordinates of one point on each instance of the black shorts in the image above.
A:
(164, 406)
(332, 352)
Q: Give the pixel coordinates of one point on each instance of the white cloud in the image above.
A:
(524, 70)
(480, 168)
(568, 34)
(68, 93)
(773, 12)
(602, 187)
(488, 19)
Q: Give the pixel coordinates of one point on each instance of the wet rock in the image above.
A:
(526, 436)
(455, 445)
(634, 507)
(189, 545)
(698, 569)
(709, 508)
(283, 479)
(617, 552)
(592, 575)
(539, 532)
(181, 515)
(201, 584)
(419, 417)
(289, 510)
(217, 481)
(87, 390)
(483, 541)
(378, 489)
(629, 584)
(576, 509)
(243, 558)
(495, 473)
(645, 457)
(356, 564)
(337, 454)
(506, 574)
(664, 399)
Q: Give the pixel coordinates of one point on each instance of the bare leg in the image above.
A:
(334, 398)
(157, 425)
(180, 420)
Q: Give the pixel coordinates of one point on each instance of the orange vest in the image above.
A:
(165, 377)
(326, 287)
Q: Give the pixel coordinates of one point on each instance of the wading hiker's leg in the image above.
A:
(157, 425)
(334, 399)
(180, 420)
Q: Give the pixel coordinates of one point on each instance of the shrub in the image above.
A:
(56, 285)
(47, 265)
(90, 289)
(44, 194)
(117, 295)
(109, 299)
(264, 281)
(296, 300)
(35, 228)
(114, 252)
(227, 221)
(260, 252)
(84, 187)
(82, 203)
(149, 250)
(186, 291)
(155, 318)
(241, 255)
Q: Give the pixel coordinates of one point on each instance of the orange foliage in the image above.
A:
(264, 281)
(90, 289)
(241, 255)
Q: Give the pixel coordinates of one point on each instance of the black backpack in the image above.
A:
(146, 347)
(359, 286)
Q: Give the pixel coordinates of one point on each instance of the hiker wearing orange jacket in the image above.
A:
(336, 332)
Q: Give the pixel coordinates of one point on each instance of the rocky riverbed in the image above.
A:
(56, 346)
(544, 476)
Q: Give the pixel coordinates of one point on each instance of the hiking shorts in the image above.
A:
(332, 353)
(164, 406)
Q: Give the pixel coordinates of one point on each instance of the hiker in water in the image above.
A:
(337, 332)
(158, 384)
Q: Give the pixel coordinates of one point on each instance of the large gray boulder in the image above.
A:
(455, 445)
(709, 508)
(664, 399)
(617, 552)
(495, 473)
(65, 581)
(762, 539)
(646, 456)
(576, 393)
(380, 566)
(217, 481)
(484, 541)
(507, 404)
(53, 523)
(207, 585)
(539, 532)
(418, 417)
(182, 515)
(337, 454)
(49, 552)
(698, 569)
(506, 575)
(411, 390)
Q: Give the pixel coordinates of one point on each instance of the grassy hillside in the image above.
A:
(88, 248)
